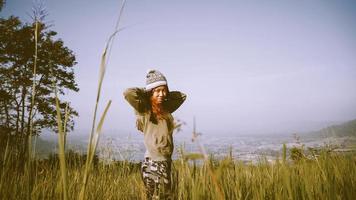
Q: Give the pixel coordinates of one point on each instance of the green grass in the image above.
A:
(331, 176)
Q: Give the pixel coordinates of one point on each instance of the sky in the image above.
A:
(246, 66)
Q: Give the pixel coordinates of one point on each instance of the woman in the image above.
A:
(154, 106)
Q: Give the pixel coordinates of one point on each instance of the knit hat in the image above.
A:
(154, 78)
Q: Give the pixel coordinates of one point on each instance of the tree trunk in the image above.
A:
(23, 96)
(17, 117)
(29, 121)
(7, 115)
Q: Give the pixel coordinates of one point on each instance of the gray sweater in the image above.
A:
(157, 137)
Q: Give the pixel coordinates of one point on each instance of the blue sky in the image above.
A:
(246, 66)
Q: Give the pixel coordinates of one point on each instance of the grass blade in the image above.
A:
(61, 149)
(91, 147)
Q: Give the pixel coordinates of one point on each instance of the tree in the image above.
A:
(2, 2)
(55, 64)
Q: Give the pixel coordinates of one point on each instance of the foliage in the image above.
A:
(55, 64)
(296, 154)
(2, 2)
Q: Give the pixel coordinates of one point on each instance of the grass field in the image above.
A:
(327, 176)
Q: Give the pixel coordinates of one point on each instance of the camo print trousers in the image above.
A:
(156, 176)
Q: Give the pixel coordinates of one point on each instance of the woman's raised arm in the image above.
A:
(174, 100)
(137, 98)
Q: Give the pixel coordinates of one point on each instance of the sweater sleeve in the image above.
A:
(174, 100)
(137, 98)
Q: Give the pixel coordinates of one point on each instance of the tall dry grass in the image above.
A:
(96, 129)
(331, 176)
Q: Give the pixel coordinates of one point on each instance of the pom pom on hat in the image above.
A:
(154, 78)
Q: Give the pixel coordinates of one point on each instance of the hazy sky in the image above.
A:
(246, 66)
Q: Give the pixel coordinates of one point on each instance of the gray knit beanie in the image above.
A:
(154, 78)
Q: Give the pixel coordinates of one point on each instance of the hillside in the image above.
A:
(347, 129)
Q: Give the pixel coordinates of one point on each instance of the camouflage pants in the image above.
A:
(156, 176)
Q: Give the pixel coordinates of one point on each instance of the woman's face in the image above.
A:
(159, 94)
